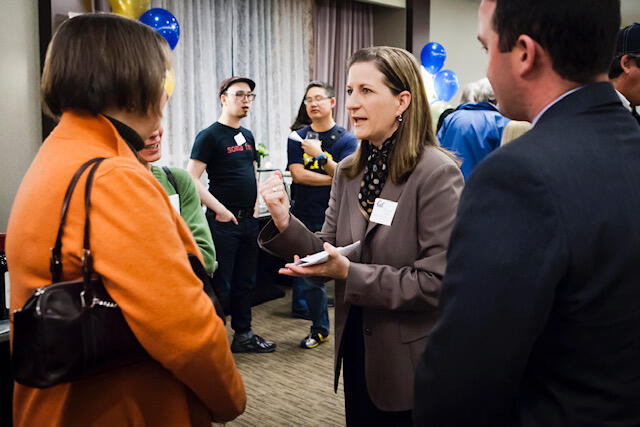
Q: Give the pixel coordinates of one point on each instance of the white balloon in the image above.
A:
(428, 85)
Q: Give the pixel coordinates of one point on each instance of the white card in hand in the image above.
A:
(294, 135)
(320, 257)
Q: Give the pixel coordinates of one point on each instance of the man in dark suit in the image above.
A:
(540, 319)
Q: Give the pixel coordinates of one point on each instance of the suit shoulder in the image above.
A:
(522, 160)
(435, 157)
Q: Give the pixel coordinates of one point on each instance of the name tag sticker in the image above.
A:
(239, 138)
(175, 202)
(383, 211)
(7, 289)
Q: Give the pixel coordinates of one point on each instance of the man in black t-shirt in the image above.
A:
(227, 151)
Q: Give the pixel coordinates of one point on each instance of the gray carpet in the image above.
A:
(293, 386)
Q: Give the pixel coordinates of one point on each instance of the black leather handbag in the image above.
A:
(71, 330)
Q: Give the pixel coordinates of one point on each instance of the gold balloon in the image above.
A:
(169, 81)
(131, 9)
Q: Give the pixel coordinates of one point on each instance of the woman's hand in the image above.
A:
(312, 147)
(275, 197)
(336, 267)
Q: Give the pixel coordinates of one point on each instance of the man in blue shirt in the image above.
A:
(312, 163)
(472, 131)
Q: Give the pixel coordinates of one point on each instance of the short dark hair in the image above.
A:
(328, 89)
(616, 69)
(233, 80)
(99, 61)
(579, 35)
(303, 119)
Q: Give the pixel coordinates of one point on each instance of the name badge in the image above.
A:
(239, 138)
(383, 211)
(7, 290)
(175, 202)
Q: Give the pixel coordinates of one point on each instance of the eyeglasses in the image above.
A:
(317, 100)
(242, 96)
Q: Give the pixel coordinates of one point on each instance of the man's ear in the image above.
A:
(626, 62)
(526, 54)
(333, 102)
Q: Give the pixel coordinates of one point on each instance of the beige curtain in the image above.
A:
(265, 40)
(340, 28)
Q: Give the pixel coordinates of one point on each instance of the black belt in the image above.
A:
(242, 213)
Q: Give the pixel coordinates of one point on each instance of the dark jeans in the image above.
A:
(237, 254)
(307, 295)
(359, 409)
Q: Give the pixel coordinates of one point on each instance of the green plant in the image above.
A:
(262, 152)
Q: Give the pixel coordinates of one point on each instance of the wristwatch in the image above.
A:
(322, 159)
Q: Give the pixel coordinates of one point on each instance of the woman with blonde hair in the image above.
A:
(397, 195)
(103, 79)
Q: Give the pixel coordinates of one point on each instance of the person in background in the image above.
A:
(227, 152)
(479, 91)
(312, 163)
(183, 196)
(474, 129)
(108, 104)
(624, 72)
(514, 130)
(397, 195)
(539, 322)
(443, 116)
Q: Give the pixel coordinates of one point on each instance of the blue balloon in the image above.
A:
(432, 57)
(446, 84)
(163, 22)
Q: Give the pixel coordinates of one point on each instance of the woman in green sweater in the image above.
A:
(184, 198)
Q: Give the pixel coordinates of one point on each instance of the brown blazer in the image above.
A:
(140, 246)
(396, 275)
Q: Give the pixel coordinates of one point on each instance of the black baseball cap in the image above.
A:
(628, 39)
(231, 80)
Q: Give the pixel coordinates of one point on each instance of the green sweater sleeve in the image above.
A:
(191, 212)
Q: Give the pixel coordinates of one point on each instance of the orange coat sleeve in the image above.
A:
(140, 248)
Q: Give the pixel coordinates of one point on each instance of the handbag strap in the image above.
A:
(87, 257)
(171, 178)
(56, 252)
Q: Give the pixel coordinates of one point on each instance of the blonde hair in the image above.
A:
(514, 129)
(415, 131)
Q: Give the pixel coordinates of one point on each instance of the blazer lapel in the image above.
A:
(357, 221)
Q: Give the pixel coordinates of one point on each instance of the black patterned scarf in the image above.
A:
(375, 175)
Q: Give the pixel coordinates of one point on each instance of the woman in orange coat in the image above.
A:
(103, 78)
